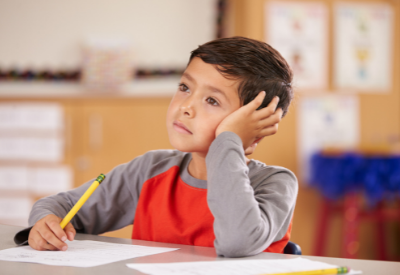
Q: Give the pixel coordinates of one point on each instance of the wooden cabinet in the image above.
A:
(109, 132)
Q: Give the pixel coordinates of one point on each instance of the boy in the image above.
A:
(206, 192)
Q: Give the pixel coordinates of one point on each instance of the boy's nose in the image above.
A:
(187, 110)
(187, 107)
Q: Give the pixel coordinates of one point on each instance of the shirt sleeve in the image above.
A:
(249, 215)
(111, 206)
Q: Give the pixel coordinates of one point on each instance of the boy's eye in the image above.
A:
(212, 101)
(183, 87)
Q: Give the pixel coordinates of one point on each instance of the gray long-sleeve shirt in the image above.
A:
(252, 205)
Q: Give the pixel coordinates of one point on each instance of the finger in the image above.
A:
(270, 121)
(270, 109)
(279, 113)
(256, 102)
(54, 226)
(48, 236)
(271, 130)
(37, 242)
(70, 231)
(274, 103)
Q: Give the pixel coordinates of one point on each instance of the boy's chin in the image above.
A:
(189, 149)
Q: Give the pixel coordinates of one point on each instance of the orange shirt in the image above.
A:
(171, 211)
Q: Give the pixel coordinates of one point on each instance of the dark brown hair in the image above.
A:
(256, 64)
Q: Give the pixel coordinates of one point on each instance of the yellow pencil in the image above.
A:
(82, 200)
(339, 270)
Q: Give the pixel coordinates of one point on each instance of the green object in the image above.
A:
(100, 178)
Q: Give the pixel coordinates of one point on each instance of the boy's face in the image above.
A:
(204, 98)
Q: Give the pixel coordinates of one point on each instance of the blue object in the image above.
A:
(292, 248)
(377, 176)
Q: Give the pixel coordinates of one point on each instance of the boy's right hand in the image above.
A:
(47, 234)
(250, 124)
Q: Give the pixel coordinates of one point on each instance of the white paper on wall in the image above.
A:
(49, 149)
(325, 121)
(50, 180)
(31, 116)
(15, 208)
(14, 178)
(363, 37)
(299, 32)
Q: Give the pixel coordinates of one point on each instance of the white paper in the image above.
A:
(31, 116)
(299, 31)
(233, 267)
(81, 254)
(325, 121)
(14, 178)
(15, 208)
(363, 39)
(50, 180)
(32, 148)
(38, 180)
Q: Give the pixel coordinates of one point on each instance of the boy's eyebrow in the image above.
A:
(212, 88)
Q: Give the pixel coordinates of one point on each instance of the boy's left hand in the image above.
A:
(250, 124)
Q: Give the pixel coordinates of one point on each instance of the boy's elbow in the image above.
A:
(232, 254)
(235, 249)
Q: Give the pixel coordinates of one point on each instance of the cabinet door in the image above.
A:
(115, 131)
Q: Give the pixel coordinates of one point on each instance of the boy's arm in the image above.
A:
(249, 216)
(104, 210)
(111, 206)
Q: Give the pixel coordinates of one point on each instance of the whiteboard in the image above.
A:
(48, 34)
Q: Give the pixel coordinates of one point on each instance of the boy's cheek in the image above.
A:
(170, 116)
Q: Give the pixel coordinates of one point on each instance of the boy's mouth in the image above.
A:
(181, 128)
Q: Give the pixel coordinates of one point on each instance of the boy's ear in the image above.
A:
(250, 150)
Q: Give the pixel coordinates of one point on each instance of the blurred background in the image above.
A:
(85, 86)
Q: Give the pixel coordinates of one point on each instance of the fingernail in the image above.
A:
(64, 248)
(277, 98)
(71, 236)
(64, 238)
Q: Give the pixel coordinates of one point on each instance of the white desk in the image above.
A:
(186, 253)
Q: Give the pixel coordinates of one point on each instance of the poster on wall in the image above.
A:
(363, 35)
(299, 31)
(325, 121)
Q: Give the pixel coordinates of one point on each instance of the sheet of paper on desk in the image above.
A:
(234, 267)
(81, 254)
